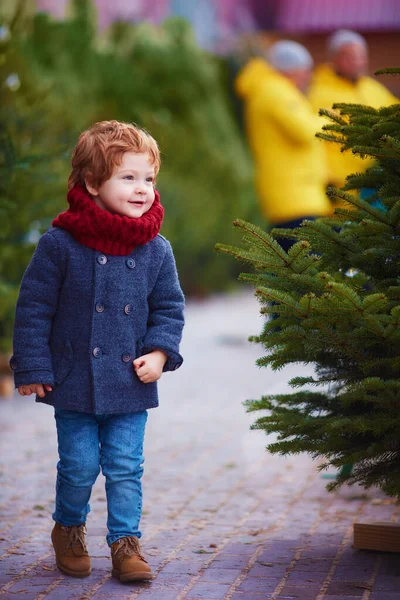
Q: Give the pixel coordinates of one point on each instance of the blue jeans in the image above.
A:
(87, 442)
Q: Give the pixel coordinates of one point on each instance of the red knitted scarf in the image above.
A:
(100, 230)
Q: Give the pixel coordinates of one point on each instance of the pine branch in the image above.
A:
(328, 233)
(388, 71)
(283, 298)
(336, 194)
(281, 232)
(259, 234)
(358, 129)
(354, 109)
(394, 326)
(330, 138)
(332, 115)
(386, 127)
(371, 178)
(364, 151)
(392, 143)
(247, 256)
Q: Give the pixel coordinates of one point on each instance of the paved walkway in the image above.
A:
(222, 518)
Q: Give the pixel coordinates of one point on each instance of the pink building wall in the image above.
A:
(215, 21)
(54, 7)
(155, 11)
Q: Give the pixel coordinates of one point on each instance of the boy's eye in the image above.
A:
(129, 177)
(150, 179)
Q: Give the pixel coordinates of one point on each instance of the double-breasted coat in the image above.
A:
(82, 317)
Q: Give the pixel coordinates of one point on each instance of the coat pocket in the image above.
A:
(63, 357)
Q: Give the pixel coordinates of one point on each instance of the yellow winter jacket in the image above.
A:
(289, 160)
(326, 89)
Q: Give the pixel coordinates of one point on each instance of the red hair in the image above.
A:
(101, 147)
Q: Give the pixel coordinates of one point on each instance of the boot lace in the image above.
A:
(128, 546)
(75, 539)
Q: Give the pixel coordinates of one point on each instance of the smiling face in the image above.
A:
(129, 191)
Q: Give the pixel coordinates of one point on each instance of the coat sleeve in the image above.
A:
(294, 115)
(166, 319)
(36, 306)
(387, 98)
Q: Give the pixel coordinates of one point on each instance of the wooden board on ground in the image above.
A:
(384, 537)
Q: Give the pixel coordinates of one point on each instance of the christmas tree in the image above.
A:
(335, 302)
(31, 171)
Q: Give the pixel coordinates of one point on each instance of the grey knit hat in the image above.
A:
(344, 37)
(287, 55)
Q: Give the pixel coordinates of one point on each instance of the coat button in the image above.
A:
(126, 357)
(128, 309)
(130, 263)
(13, 363)
(99, 307)
(101, 259)
(97, 352)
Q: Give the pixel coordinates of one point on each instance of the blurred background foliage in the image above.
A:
(59, 77)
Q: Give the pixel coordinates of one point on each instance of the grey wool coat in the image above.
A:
(82, 317)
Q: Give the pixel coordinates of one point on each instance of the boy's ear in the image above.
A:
(89, 185)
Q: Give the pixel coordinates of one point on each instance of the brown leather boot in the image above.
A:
(72, 557)
(128, 562)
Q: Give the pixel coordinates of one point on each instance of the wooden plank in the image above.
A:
(384, 537)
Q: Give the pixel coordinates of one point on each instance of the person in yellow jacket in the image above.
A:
(281, 125)
(345, 80)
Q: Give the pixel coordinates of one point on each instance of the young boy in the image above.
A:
(98, 319)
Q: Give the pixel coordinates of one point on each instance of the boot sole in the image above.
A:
(78, 574)
(138, 576)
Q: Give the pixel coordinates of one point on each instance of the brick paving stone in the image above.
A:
(314, 565)
(222, 518)
(208, 591)
(153, 595)
(300, 577)
(182, 567)
(249, 596)
(385, 596)
(170, 580)
(125, 594)
(356, 572)
(29, 595)
(229, 562)
(73, 588)
(320, 552)
(220, 575)
(26, 584)
(358, 557)
(387, 583)
(391, 564)
(303, 593)
(341, 597)
(259, 584)
(238, 549)
(353, 588)
(261, 570)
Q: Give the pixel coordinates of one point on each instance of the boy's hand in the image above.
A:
(34, 388)
(149, 366)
